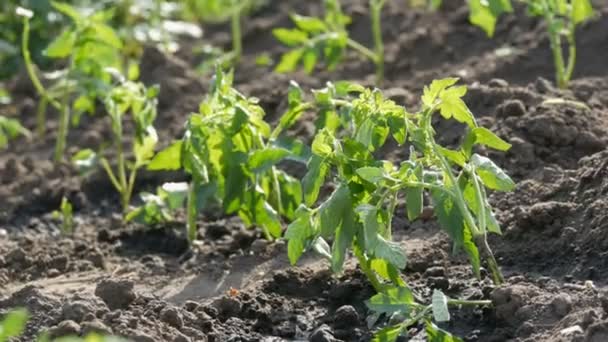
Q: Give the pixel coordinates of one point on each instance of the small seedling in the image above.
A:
(358, 214)
(561, 16)
(66, 216)
(400, 304)
(10, 129)
(313, 39)
(141, 102)
(160, 207)
(90, 46)
(232, 154)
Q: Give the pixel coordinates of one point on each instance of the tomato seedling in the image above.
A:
(232, 153)
(141, 102)
(358, 214)
(13, 324)
(313, 39)
(90, 46)
(561, 16)
(66, 216)
(159, 208)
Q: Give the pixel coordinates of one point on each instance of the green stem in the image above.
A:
(469, 302)
(556, 48)
(369, 273)
(62, 134)
(191, 212)
(235, 22)
(571, 55)
(29, 66)
(41, 117)
(376, 10)
(361, 49)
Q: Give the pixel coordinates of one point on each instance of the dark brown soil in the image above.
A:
(146, 284)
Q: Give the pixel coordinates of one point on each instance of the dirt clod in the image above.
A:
(117, 294)
(172, 316)
(561, 304)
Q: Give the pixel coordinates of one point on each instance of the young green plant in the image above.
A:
(10, 129)
(313, 39)
(561, 16)
(358, 214)
(232, 154)
(141, 102)
(66, 216)
(90, 46)
(160, 207)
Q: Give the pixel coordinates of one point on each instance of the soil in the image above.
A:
(144, 283)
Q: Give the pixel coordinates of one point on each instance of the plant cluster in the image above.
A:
(561, 17)
(88, 47)
(234, 156)
(314, 39)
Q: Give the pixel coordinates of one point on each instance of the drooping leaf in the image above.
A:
(290, 37)
(388, 334)
(314, 179)
(371, 174)
(439, 304)
(62, 46)
(492, 175)
(297, 234)
(395, 299)
(435, 334)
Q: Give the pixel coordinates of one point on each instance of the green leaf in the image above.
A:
(309, 60)
(371, 174)
(85, 160)
(387, 271)
(67, 10)
(235, 185)
(309, 24)
(268, 217)
(452, 105)
(456, 157)
(581, 11)
(176, 193)
(314, 179)
(262, 160)
(394, 300)
(439, 303)
(168, 159)
(298, 232)
(13, 324)
(144, 150)
(289, 61)
(343, 238)
(388, 334)
(107, 35)
(413, 197)
(289, 37)
(483, 136)
(322, 145)
(434, 334)
(484, 13)
(62, 46)
(491, 175)
(332, 211)
(391, 252)
(431, 93)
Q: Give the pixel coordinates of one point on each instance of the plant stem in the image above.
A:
(469, 302)
(482, 243)
(361, 49)
(191, 212)
(571, 55)
(376, 9)
(41, 117)
(369, 273)
(236, 32)
(556, 48)
(64, 123)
